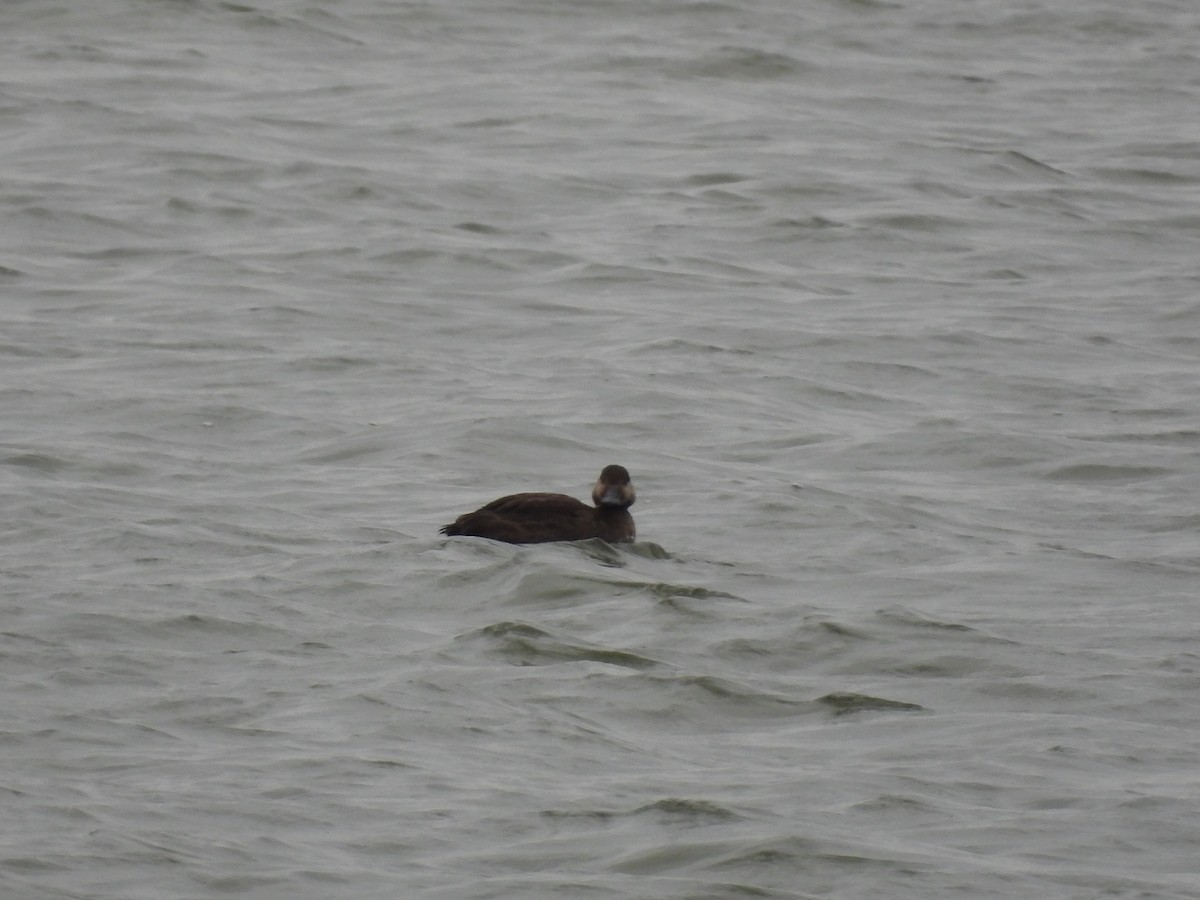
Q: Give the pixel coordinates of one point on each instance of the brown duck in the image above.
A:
(538, 518)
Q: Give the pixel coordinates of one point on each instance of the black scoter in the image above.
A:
(538, 518)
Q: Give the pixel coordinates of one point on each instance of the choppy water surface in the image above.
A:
(891, 308)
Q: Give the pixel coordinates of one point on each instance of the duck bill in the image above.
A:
(612, 496)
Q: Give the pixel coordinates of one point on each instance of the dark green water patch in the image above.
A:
(526, 645)
(844, 704)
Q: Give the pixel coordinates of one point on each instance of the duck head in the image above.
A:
(614, 489)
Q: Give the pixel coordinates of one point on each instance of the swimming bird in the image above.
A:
(537, 518)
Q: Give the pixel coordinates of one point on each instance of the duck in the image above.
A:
(537, 518)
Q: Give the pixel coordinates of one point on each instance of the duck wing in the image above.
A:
(527, 519)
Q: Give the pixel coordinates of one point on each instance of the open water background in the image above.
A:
(891, 308)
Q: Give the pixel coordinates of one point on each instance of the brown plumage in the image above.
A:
(538, 518)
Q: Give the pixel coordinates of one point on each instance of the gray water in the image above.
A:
(891, 308)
